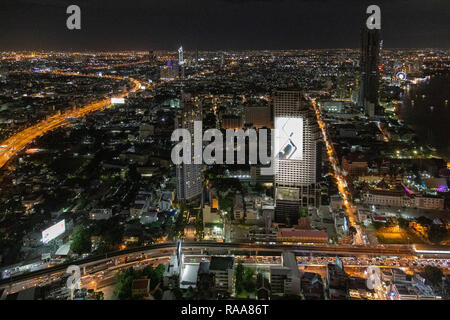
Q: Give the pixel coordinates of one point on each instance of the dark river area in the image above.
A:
(426, 110)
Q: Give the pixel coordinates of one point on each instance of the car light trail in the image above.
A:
(18, 141)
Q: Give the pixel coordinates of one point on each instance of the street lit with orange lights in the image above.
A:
(18, 141)
(340, 181)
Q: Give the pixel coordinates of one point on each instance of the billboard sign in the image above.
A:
(288, 138)
(117, 100)
(54, 231)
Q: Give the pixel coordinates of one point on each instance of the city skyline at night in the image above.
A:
(232, 157)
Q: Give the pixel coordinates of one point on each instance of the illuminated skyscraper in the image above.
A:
(180, 56)
(369, 75)
(189, 176)
(297, 156)
(181, 61)
(171, 71)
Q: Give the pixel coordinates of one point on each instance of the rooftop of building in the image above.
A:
(289, 260)
(221, 263)
(189, 276)
(203, 267)
(279, 271)
(292, 232)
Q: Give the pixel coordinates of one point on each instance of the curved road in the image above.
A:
(18, 141)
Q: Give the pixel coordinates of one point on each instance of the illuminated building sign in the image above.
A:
(54, 231)
(117, 100)
(288, 138)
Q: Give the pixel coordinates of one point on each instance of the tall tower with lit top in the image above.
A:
(181, 60)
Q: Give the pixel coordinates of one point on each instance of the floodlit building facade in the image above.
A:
(297, 156)
(189, 176)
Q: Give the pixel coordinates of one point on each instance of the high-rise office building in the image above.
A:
(369, 75)
(170, 72)
(345, 76)
(180, 56)
(181, 61)
(189, 176)
(297, 156)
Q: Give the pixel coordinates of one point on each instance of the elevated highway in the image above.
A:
(217, 248)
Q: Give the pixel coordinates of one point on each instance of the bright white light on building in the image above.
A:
(288, 138)
(117, 100)
(54, 231)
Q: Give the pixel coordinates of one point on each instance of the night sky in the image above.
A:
(219, 24)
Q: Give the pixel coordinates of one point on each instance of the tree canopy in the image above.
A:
(81, 240)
